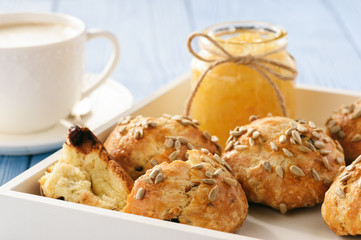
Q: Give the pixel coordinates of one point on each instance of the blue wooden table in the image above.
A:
(323, 37)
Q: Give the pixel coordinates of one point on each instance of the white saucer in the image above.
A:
(103, 109)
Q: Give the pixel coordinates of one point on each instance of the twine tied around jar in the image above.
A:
(259, 63)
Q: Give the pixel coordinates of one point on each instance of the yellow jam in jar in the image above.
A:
(230, 93)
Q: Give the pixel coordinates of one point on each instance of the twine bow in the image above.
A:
(259, 63)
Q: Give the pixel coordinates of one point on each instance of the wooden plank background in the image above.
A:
(323, 37)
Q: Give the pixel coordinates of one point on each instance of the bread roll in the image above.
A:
(199, 192)
(283, 163)
(140, 143)
(345, 126)
(341, 209)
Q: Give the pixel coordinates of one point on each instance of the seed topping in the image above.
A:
(340, 169)
(242, 129)
(253, 117)
(357, 113)
(316, 134)
(212, 196)
(230, 181)
(326, 163)
(310, 146)
(283, 208)
(327, 181)
(255, 134)
(226, 165)
(297, 171)
(339, 191)
(240, 147)
(287, 153)
(315, 175)
(293, 124)
(177, 145)
(339, 160)
(282, 139)
(209, 174)
(288, 132)
(140, 194)
(152, 124)
(335, 129)
(207, 135)
(274, 147)
(338, 146)
(218, 158)
(217, 172)
(312, 124)
(183, 140)
(214, 139)
(153, 162)
(356, 138)
(250, 131)
(350, 167)
(326, 139)
(267, 166)
(304, 149)
(297, 137)
(235, 133)
(205, 151)
(325, 151)
(330, 123)
(302, 128)
(357, 160)
(251, 142)
(174, 155)
(293, 141)
(147, 180)
(160, 178)
(125, 120)
(341, 134)
(154, 173)
(279, 171)
(209, 181)
(345, 176)
(319, 144)
(229, 146)
(138, 134)
(198, 166)
(121, 129)
(190, 146)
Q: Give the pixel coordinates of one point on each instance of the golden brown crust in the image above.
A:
(345, 126)
(271, 171)
(341, 209)
(184, 197)
(86, 174)
(137, 143)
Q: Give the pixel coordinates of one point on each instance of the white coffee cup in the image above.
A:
(41, 76)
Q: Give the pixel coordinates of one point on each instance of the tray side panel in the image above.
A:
(40, 220)
(318, 104)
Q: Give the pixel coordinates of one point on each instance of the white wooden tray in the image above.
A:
(26, 215)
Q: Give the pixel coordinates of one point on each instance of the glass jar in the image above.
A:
(230, 93)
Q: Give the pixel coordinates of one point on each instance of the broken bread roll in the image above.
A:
(199, 191)
(86, 174)
(283, 163)
(140, 143)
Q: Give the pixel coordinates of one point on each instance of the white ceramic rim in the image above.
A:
(45, 17)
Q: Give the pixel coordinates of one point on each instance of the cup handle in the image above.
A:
(112, 63)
